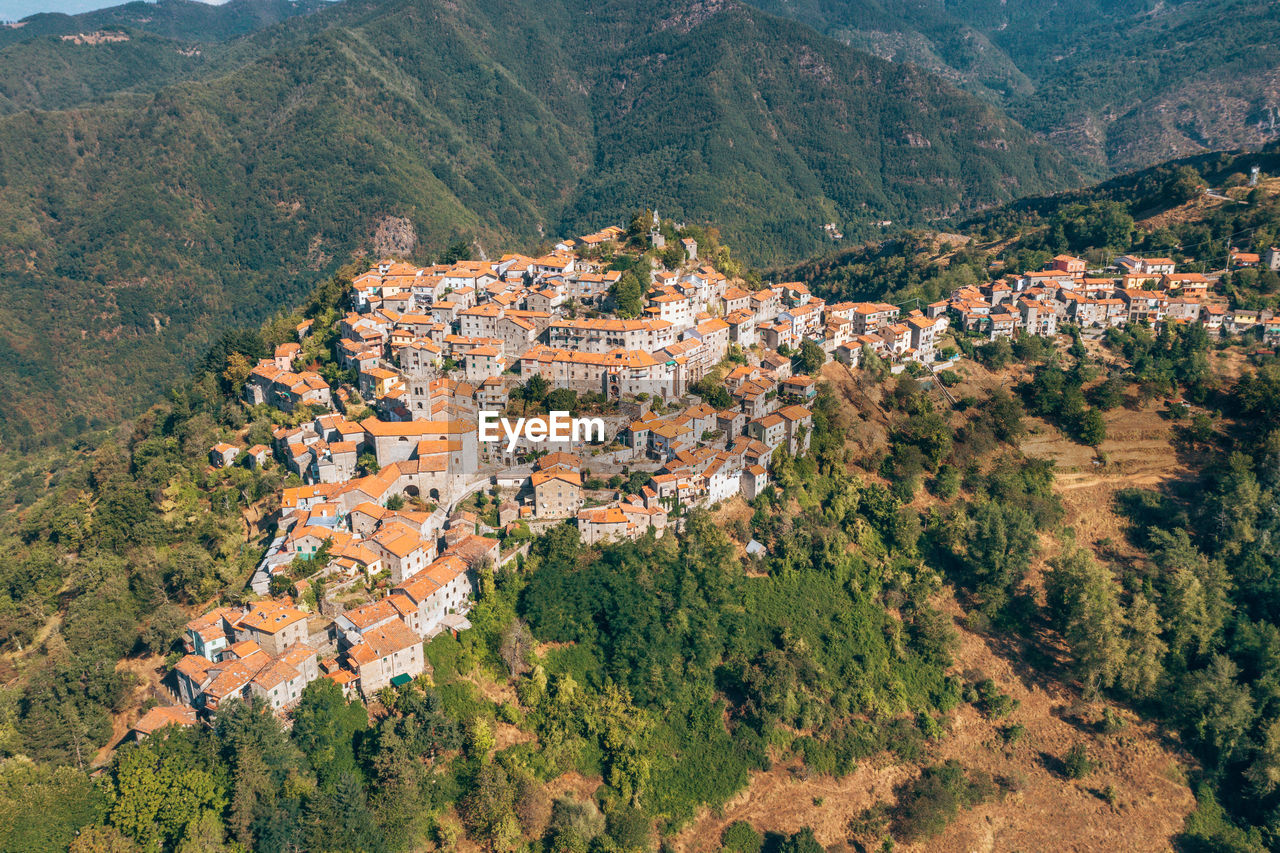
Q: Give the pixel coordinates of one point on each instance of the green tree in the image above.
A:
(480, 739)
(338, 818)
(1144, 658)
(1096, 225)
(42, 807)
(741, 837)
(101, 839)
(325, 726)
(627, 294)
(1194, 592)
(1000, 541)
(1093, 428)
(489, 808)
(810, 358)
(1076, 764)
(260, 758)
(1081, 597)
(535, 389)
(1219, 708)
(801, 842)
(158, 788)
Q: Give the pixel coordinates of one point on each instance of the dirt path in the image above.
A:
(148, 672)
(1083, 480)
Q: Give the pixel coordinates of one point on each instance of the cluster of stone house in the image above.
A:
(268, 651)
(273, 649)
(547, 316)
(275, 382)
(432, 348)
(499, 323)
(1138, 289)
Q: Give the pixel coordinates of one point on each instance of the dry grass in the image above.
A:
(1046, 812)
(1139, 452)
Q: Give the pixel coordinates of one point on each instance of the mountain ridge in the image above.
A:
(1126, 84)
(182, 20)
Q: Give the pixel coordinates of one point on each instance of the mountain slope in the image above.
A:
(1126, 83)
(911, 31)
(182, 20)
(135, 230)
(60, 61)
(775, 132)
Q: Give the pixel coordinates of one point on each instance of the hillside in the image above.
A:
(969, 630)
(137, 228)
(53, 62)
(181, 20)
(1123, 84)
(668, 689)
(1163, 210)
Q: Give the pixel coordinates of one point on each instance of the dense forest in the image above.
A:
(140, 224)
(1120, 84)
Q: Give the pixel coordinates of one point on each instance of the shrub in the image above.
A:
(927, 804)
(741, 837)
(991, 702)
(1076, 763)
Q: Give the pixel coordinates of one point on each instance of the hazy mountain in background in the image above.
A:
(58, 61)
(1126, 83)
(184, 20)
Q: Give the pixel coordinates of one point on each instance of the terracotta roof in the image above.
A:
(559, 472)
(370, 614)
(165, 715)
(193, 667)
(268, 617)
(383, 641)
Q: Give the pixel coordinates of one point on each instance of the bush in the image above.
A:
(630, 829)
(946, 484)
(1076, 763)
(990, 701)
(801, 842)
(741, 837)
(1111, 722)
(927, 804)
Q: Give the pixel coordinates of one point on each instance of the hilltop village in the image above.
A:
(397, 508)
(1133, 290)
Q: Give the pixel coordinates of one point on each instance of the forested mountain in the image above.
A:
(133, 230)
(54, 61)
(1128, 83)
(181, 20)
